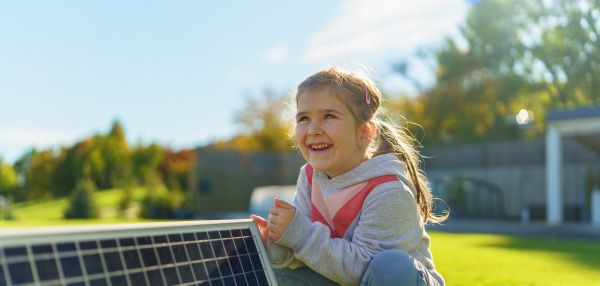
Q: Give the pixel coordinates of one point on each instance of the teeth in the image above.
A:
(320, 146)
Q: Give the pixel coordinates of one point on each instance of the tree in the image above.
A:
(22, 165)
(115, 152)
(563, 39)
(39, 180)
(175, 168)
(146, 161)
(82, 203)
(83, 161)
(476, 88)
(264, 125)
(8, 179)
(8, 185)
(534, 55)
(103, 159)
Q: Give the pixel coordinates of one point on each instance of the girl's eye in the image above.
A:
(329, 116)
(302, 118)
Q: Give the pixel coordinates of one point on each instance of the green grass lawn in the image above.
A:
(482, 259)
(50, 212)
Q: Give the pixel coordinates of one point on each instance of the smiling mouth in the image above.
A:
(320, 147)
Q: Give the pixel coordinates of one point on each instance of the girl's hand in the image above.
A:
(262, 228)
(281, 215)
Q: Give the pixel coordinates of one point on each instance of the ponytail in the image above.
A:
(389, 139)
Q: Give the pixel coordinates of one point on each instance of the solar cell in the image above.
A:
(175, 253)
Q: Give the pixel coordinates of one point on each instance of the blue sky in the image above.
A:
(176, 72)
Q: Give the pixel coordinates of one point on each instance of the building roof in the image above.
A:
(576, 113)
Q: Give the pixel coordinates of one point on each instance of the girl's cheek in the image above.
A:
(300, 133)
(298, 138)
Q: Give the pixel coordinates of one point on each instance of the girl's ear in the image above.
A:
(368, 131)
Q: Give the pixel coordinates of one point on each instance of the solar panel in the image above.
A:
(225, 252)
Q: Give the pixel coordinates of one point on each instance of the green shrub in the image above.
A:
(6, 211)
(126, 200)
(162, 203)
(455, 190)
(82, 203)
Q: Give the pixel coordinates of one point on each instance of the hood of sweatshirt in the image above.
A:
(387, 164)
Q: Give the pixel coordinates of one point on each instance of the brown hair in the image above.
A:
(350, 87)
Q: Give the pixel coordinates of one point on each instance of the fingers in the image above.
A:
(282, 204)
(276, 218)
(277, 221)
(258, 219)
(262, 228)
(261, 222)
(272, 219)
(275, 210)
(271, 226)
(274, 231)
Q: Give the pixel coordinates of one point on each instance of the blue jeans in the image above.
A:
(391, 267)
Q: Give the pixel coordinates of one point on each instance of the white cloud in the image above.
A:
(370, 26)
(276, 54)
(36, 137)
(14, 141)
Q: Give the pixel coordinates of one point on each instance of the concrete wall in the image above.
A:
(222, 180)
(522, 186)
(517, 168)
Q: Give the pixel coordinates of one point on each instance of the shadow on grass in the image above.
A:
(583, 252)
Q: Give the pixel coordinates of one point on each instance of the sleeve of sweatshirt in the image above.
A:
(283, 256)
(389, 219)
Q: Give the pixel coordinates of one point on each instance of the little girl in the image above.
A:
(362, 202)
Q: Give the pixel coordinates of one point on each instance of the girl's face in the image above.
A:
(327, 133)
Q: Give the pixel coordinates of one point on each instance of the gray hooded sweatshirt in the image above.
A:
(388, 218)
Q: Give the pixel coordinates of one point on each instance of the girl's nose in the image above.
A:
(315, 129)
